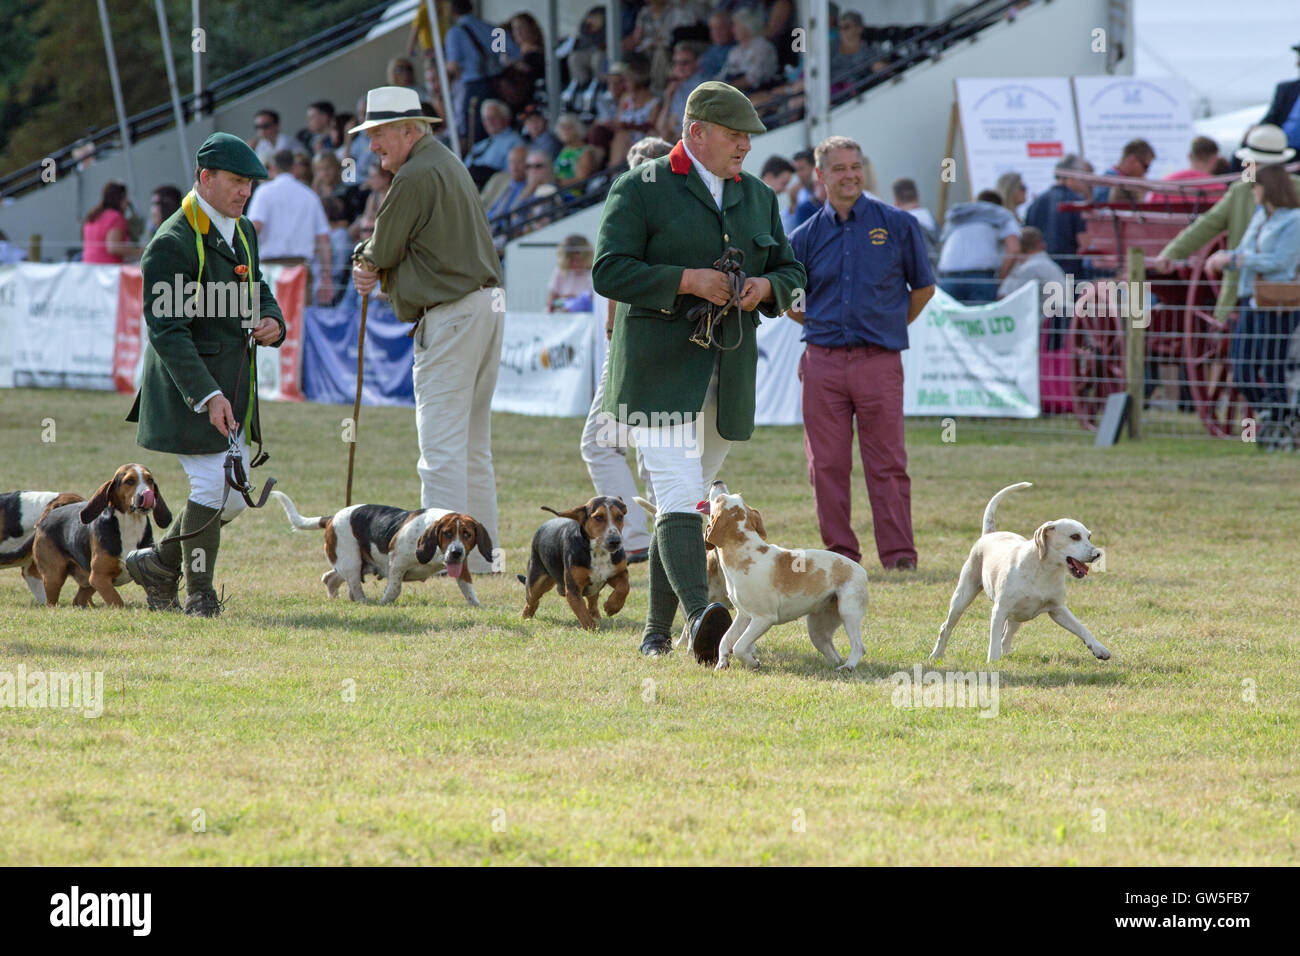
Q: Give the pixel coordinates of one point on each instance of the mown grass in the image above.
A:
(475, 737)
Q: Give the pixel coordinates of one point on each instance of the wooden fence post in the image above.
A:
(1136, 340)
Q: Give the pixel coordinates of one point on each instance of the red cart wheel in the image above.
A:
(1206, 342)
(1095, 342)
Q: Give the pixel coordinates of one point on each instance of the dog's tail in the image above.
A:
(992, 509)
(298, 521)
(650, 509)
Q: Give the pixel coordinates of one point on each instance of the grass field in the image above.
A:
(475, 737)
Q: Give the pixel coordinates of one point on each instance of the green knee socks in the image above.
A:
(679, 543)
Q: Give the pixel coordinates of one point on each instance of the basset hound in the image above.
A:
(579, 552)
(89, 540)
(770, 585)
(19, 512)
(395, 544)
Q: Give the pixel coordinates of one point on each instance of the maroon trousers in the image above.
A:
(863, 383)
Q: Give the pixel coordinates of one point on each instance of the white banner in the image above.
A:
(545, 365)
(1016, 125)
(8, 323)
(777, 399)
(1116, 109)
(69, 312)
(978, 361)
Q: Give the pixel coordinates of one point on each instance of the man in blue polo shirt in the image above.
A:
(868, 278)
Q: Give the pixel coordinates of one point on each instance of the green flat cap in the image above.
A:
(224, 151)
(716, 102)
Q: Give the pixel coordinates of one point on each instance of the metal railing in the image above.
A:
(223, 90)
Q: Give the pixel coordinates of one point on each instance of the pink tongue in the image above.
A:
(453, 570)
(146, 499)
(703, 506)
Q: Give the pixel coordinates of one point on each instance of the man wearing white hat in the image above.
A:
(432, 253)
(1265, 145)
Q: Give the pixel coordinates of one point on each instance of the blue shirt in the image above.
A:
(1269, 249)
(1060, 229)
(712, 61)
(860, 274)
(494, 152)
(460, 49)
(1291, 125)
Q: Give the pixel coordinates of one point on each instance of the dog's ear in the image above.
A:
(484, 540)
(426, 546)
(98, 501)
(161, 513)
(756, 522)
(714, 529)
(579, 514)
(1040, 539)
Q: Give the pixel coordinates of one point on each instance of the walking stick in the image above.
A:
(361, 352)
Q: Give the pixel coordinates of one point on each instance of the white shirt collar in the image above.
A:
(712, 183)
(225, 226)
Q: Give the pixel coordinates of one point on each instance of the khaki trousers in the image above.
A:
(457, 356)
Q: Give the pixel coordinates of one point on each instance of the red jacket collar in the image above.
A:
(679, 161)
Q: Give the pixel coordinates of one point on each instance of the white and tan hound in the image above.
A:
(770, 585)
(88, 541)
(394, 544)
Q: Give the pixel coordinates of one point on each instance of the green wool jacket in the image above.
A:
(197, 347)
(658, 220)
(1231, 213)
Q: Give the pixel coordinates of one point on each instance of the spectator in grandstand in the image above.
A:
(502, 191)
(536, 133)
(164, 201)
(339, 132)
(1063, 232)
(908, 199)
(9, 253)
(1284, 110)
(1011, 187)
(852, 56)
(489, 154)
(608, 103)
(686, 75)
(538, 184)
(1269, 251)
(327, 180)
(517, 81)
(586, 58)
(637, 111)
(868, 279)
(291, 226)
(316, 135)
(1265, 146)
(571, 133)
(104, 234)
(570, 283)
(779, 30)
(378, 181)
(776, 173)
(401, 72)
(420, 39)
(604, 446)
(752, 64)
(1202, 161)
(980, 241)
(302, 166)
(801, 189)
(590, 161)
(340, 247)
(356, 146)
(1035, 265)
(471, 65)
(268, 139)
(721, 41)
(1134, 161)
(433, 251)
(653, 36)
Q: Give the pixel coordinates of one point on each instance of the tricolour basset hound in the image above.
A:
(19, 512)
(89, 540)
(396, 544)
(579, 552)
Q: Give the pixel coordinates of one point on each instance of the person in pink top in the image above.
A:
(1202, 159)
(104, 233)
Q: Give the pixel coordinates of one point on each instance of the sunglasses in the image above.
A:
(262, 125)
(535, 165)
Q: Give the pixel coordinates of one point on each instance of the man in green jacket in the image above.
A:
(1265, 145)
(203, 296)
(664, 225)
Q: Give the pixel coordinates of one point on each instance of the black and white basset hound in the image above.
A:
(19, 512)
